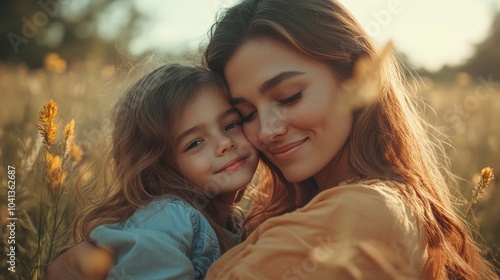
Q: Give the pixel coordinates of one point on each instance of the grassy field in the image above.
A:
(467, 111)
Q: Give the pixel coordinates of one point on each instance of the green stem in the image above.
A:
(54, 223)
(55, 200)
(41, 220)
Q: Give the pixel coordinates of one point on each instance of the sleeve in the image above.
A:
(156, 248)
(349, 225)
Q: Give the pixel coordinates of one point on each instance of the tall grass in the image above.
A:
(49, 154)
(85, 91)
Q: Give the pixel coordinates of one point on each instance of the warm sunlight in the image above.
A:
(431, 33)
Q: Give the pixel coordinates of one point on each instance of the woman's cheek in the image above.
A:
(251, 133)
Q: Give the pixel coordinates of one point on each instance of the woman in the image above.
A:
(359, 191)
(286, 64)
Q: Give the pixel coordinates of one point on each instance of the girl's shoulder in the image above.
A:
(165, 239)
(166, 203)
(165, 217)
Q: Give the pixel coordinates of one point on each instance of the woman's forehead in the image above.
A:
(259, 63)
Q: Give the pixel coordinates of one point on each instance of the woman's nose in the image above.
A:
(272, 126)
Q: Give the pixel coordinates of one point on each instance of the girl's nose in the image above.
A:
(224, 145)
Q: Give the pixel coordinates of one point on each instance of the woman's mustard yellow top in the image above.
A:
(352, 231)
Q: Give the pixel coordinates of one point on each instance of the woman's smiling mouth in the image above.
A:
(287, 151)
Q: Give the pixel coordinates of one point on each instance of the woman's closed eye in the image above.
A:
(283, 102)
(290, 100)
(248, 117)
(232, 125)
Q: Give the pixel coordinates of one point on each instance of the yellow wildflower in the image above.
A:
(48, 126)
(55, 176)
(55, 63)
(479, 190)
(69, 135)
(69, 131)
(75, 153)
(486, 176)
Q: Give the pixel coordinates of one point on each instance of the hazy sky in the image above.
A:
(430, 32)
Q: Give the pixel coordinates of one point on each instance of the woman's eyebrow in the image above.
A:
(237, 100)
(267, 85)
(274, 81)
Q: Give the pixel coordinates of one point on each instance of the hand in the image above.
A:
(81, 262)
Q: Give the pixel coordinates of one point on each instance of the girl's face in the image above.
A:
(288, 105)
(211, 150)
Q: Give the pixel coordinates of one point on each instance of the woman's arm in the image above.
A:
(82, 261)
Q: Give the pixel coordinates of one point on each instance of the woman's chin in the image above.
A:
(294, 177)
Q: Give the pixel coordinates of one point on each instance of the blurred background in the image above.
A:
(83, 54)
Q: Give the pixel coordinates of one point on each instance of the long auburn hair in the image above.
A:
(141, 153)
(389, 140)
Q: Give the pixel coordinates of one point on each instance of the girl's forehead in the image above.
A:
(208, 108)
(208, 97)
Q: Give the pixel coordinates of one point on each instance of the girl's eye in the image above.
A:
(232, 125)
(290, 100)
(248, 117)
(193, 144)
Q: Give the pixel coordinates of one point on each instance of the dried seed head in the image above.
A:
(55, 176)
(75, 153)
(479, 190)
(69, 131)
(48, 126)
(487, 175)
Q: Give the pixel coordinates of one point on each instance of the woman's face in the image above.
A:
(288, 102)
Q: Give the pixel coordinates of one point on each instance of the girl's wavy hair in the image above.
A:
(389, 140)
(142, 150)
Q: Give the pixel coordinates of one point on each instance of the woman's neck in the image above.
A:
(336, 171)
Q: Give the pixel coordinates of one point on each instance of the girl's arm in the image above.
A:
(82, 261)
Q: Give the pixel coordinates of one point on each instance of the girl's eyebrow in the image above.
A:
(186, 133)
(269, 84)
(230, 111)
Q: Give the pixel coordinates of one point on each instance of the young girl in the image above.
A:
(180, 159)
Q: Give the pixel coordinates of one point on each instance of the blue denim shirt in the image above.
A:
(167, 239)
